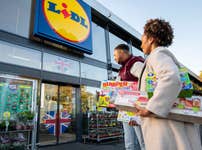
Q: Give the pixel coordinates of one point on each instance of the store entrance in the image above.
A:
(57, 114)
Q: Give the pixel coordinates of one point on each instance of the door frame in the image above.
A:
(78, 115)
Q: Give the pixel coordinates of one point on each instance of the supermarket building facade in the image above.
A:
(62, 70)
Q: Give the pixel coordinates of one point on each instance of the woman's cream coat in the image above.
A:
(163, 134)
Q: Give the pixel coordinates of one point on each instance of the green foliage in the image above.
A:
(2, 125)
(25, 116)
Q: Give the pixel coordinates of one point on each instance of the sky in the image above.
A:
(185, 16)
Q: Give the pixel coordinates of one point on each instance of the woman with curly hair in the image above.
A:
(163, 134)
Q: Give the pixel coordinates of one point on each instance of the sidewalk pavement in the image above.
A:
(81, 146)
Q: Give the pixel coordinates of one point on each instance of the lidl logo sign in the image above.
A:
(65, 21)
(71, 15)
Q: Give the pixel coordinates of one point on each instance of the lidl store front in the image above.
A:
(54, 54)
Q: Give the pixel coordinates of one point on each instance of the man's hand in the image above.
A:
(133, 123)
(126, 108)
(120, 108)
(142, 111)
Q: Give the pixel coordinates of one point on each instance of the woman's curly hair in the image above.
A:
(160, 30)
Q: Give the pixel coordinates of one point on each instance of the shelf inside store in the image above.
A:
(103, 126)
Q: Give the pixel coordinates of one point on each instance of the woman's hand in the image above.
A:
(142, 111)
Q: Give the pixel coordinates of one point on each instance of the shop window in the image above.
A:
(61, 65)
(17, 110)
(137, 52)
(114, 75)
(18, 55)
(113, 42)
(15, 16)
(99, 46)
(92, 72)
(89, 98)
(16, 95)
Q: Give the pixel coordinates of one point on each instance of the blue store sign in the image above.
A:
(64, 21)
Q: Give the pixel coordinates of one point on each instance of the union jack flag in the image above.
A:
(62, 64)
(51, 123)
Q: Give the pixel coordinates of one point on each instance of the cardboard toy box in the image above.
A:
(126, 101)
(187, 88)
(127, 116)
(109, 90)
(190, 108)
(129, 98)
(185, 109)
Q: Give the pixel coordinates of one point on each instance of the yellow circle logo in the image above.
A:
(67, 18)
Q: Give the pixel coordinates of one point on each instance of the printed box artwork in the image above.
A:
(188, 106)
(129, 98)
(126, 116)
(109, 92)
(125, 94)
(187, 88)
(186, 109)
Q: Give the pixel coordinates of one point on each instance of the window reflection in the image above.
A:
(62, 65)
(137, 52)
(114, 41)
(18, 55)
(89, 98)
(114, 75)
(92, 72)
(99, 46)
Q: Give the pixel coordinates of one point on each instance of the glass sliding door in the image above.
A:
(67, 108)
(57, 114)
(48, 114)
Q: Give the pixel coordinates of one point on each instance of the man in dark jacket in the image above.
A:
(130, 70)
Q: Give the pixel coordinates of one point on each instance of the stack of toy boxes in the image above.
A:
(121, 93)
(187, 88)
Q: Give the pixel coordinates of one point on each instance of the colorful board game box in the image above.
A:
(109, 90)
(130, 98)
(127, 116)
(187, 88)
(185, 109)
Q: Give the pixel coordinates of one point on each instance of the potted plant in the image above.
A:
(12, 125)
(2, 125)
(4, 143)
(26, 119)
(18, 145)
(30, 117)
